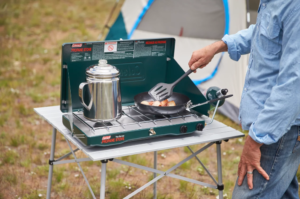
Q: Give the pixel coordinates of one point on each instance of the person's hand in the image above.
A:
(250, 160)
(200, 58)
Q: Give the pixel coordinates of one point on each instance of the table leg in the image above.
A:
(154, 176)
(51, 165)
(219, 163)
(103, 178)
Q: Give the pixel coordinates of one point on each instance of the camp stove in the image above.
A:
(142, 64)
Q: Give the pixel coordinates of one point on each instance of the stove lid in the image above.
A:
(102, 70)
(142, 63)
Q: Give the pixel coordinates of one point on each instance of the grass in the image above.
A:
(10, 178)
(112, 174)
(9, 157)
(16, 141)
(137, 159)
(31, 35)
(186, 165)
(59, 174)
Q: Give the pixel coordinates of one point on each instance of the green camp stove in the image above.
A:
(142, 64)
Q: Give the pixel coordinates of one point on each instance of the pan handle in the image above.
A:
(210, 101)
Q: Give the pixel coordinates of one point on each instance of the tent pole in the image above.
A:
(108, 19)
(248, 13)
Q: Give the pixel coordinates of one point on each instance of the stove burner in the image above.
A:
(161, 116)
(100, 124)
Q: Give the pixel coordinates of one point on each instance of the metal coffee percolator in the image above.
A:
(101, 92)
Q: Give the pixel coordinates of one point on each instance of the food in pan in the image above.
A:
(158, 103)
(164, 103)
(171, 103)
(145, 103)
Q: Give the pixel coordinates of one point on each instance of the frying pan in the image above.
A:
(182, 102)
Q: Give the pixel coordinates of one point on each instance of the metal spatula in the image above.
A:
(162, 91)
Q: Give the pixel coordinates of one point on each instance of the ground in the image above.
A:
(31, 35)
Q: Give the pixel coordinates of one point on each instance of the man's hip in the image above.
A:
(280, 160)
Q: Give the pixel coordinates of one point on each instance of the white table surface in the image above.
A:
(214, 132)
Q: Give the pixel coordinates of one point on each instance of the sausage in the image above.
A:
(164, 103)
(171, 103)
(145, 103)
(156, 103)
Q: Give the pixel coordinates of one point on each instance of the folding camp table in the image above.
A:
(212, 134)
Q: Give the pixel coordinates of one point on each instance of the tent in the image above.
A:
(194, 24)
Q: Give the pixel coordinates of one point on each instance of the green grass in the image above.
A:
(116, 186)
(42, 170)
(9, 157)
(137, 159)
(43, 146)
(26, 163)
(112, 174)
(32, 195)
(114, 195)
(183, 185)
(187, 165)
(163, 196)
(17, 140)
(59, 173)
(63, 186)
(10, 178)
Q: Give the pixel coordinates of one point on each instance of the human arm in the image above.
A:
(283, 105)
(236, 45)
(282, 108)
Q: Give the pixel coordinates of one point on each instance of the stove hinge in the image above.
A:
(64, 101)
(65, 66)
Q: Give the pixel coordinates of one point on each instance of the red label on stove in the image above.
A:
(120, 138)
(156, 42)
(108, 141)
(106, 137)
(81, 50)
(76, 45)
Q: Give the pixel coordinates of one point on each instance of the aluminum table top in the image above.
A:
(214, 132)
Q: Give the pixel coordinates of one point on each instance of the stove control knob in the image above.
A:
(199, 127)
(183, 129)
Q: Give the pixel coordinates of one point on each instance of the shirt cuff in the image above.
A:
(264, 139)
(232, 49)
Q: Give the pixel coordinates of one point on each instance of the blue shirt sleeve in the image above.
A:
(239, 43)
(283, 105)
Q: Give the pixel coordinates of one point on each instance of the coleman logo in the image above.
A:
(106, 137)
(108, 140)
(120, 138)
(76, 45)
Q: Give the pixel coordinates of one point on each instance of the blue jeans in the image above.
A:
(280, 161)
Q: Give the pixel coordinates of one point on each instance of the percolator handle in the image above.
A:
(80, 93)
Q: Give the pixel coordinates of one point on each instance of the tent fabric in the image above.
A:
(205, 19)
(230, 74)
(118, 30)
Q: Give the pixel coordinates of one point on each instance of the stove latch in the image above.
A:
(152, 132)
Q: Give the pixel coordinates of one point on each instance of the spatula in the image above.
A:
(162, 91)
